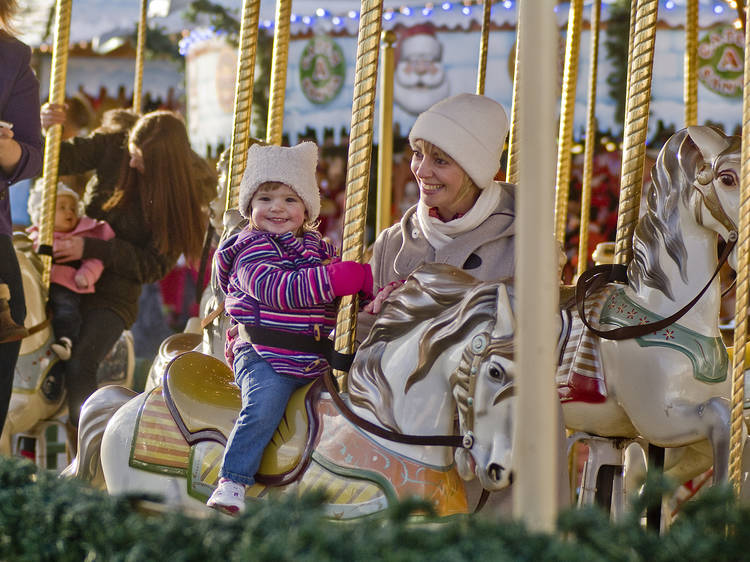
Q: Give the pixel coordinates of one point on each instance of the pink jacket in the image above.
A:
(64, 274)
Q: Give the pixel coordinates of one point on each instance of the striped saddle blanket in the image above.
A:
(579, 375)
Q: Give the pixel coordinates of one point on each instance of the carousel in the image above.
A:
(476, 396)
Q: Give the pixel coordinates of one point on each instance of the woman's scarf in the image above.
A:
(439, 233)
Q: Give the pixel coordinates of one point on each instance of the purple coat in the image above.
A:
(19, 104)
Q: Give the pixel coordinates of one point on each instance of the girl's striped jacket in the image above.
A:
(281, 282)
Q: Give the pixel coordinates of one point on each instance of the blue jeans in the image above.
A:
(66, 312)
(265, 394)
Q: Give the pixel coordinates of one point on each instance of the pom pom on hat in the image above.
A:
(293, 166)
(471, 129)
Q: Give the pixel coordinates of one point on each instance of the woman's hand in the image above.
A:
(52, 114)
(70, 249)
(374, 306)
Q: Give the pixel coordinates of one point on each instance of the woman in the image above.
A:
(20, 158)
(463, 218)
(154, 191)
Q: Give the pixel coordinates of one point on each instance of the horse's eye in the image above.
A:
(728, 179)
(497, 373)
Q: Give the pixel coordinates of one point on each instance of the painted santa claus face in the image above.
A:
(419, 77)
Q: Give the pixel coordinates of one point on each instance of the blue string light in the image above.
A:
(718, 9)
(447, 6)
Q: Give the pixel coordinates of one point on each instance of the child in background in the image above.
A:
(68, 281)
(276, 275)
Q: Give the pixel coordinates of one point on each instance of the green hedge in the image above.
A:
(45, 518)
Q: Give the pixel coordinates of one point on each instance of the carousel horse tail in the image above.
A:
(95, 413)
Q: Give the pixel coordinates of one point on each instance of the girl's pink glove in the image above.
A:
(350, 277)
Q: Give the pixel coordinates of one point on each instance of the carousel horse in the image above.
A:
(37, 401)
(169, 441)
(669, 386)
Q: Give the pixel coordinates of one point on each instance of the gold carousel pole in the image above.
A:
(640, 64)
(483, 46)
(567, 110)
(385, 134)
(358, 168)
(243, 98)
(275, 127)
(741, 303)
(691, 64)
(511, 171)
(588, 152)
(140, 51)
(54, 135)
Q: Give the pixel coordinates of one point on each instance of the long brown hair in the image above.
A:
(173, 192)
(8, 9)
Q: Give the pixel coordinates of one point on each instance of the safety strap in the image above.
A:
(597, 277)
(269, 337)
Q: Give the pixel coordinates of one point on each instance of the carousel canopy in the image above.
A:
(99, 21)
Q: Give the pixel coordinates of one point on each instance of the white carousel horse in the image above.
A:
(37, 401)
(169, 441)
(669, 387)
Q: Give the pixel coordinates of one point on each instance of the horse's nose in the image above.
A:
(495, 470)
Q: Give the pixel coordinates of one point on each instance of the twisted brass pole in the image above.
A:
(58, 73)
(140, 51)
(385, 132)
(636, 125)
(280, 57)
(691, 64)
(358, 169)
(243, 99)
(511, 173)
(483, 46)
(736, 420)
(588, 152)
(567, 111)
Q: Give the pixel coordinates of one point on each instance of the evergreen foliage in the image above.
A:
(45, 518)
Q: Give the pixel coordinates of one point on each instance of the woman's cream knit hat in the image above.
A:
(293, 166)
(471, 129)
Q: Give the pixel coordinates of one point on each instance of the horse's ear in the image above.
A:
(504, 324)
(710, 142)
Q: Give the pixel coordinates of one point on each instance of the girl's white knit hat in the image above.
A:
(471, 129)
(293, 166)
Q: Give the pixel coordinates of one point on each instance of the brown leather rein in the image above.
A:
(466, 441)
(599, 276)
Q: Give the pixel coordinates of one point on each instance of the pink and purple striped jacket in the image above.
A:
(279, 281)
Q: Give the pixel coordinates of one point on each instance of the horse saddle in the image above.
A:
(204, 402)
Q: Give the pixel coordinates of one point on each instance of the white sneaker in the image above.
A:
(63, 348)
(228, 497)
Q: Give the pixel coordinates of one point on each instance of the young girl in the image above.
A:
(275, 275)
(68, 281)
